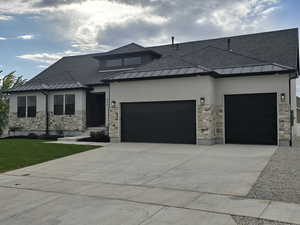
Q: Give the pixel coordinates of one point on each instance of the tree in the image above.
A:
(9, 81)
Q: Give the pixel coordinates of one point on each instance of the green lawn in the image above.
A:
(18, 153)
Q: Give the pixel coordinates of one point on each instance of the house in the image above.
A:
(239, 89)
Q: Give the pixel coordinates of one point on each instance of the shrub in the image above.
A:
(97, 136)
(33, 136)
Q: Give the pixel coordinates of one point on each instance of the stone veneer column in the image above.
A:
(114, 123)
(206, 124)
(284, 124)
(219, 124)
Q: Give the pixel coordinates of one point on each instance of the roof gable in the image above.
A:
(132, 47)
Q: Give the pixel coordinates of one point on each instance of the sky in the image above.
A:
(36, 33)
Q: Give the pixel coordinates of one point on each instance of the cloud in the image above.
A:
(42, 66)
(47, 58)
(26, 37)
(3, 38)
(5, 18)
(104, 24)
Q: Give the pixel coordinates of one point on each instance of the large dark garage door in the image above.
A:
(251, 119)
(160, 122)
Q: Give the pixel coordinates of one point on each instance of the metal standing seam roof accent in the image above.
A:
(158, 73)
(264, 68)
(251, 69)
(58, 86)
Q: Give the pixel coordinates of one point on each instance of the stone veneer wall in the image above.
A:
(28, 123)
(75, 122)
(114, 123)
(284, 124)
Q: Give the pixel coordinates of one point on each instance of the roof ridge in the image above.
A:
(225, 37)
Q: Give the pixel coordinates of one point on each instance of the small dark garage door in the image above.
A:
(160, 122)
(251, 119)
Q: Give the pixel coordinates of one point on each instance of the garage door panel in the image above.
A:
(251, 118)
(161, 122)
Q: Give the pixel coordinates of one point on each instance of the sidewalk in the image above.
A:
(163, 197)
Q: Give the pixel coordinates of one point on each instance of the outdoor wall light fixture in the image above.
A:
(113, 104)
(282, 97)
(202, 100)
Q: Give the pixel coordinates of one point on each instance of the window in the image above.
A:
(21, 102)
(70, 105)
(113, 62)
(31, 106)
(132, 61)
(58, 104)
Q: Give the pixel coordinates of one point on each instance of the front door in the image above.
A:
(95, 109)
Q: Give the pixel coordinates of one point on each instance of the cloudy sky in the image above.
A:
(36, 33)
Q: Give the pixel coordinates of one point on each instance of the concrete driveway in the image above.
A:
(133, 184)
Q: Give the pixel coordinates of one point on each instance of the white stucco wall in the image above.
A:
(189, 88)
(193, 88)
(252, 84)
(80, 99)
(41, 100)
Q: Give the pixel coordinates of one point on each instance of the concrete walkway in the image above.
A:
(139, 184)
(20, 194)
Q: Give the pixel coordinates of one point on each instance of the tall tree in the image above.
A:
(11, 80)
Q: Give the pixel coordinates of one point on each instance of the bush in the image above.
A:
(97, 136)
(33, 136)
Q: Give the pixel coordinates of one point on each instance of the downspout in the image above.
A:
(46, 112)
(108, 115)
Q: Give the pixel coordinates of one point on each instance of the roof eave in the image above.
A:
(43, 90)
(254, 74)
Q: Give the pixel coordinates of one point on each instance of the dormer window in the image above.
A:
(123, 62)
(132, 61)
(113, 63)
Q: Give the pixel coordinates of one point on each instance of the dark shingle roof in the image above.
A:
(261, 51)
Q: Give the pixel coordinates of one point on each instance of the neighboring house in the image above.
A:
(237, 89)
